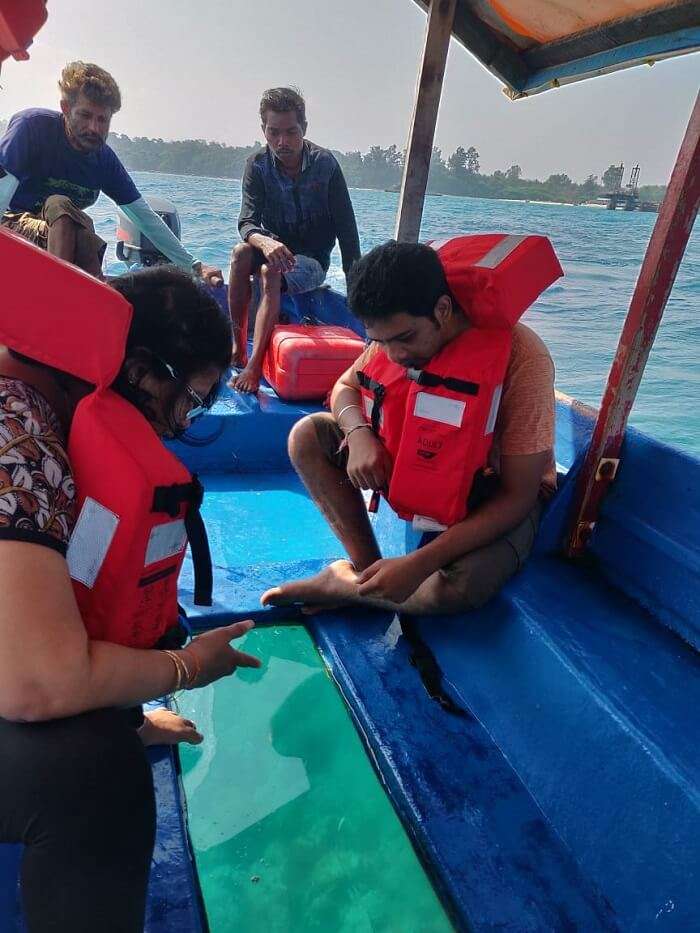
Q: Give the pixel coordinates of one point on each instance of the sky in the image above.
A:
(197, 69)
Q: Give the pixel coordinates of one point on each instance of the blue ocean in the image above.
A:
(579, 318)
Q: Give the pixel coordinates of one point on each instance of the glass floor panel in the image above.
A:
(291, 828)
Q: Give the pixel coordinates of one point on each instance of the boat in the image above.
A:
(542, 753)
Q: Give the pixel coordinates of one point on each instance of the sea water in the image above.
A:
(579, 317)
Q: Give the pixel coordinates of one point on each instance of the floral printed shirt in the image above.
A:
(37, 494)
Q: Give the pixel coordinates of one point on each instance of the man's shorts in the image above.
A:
(35, 227)
(478, 575)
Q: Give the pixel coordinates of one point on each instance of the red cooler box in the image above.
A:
(305, 360)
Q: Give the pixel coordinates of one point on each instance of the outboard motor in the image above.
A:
(133, 247)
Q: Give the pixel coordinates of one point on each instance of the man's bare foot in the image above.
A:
(334, 585)
(163, 727)
(248, 380)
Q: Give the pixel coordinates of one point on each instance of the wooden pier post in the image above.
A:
(656, 277)
(425, 110)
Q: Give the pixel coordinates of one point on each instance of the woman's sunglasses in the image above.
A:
(201, 405)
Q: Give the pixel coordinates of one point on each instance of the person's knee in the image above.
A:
(303, 441)
(242, 257)
(58, 208)
(270, 278)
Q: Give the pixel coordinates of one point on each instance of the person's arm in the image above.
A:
(118, 185)
(48, 666)
(16, 148)
(8, 186)
(520, 480)
(250, 226)
(159, 233)
(252, 203)
(369, 462)
(344, 219)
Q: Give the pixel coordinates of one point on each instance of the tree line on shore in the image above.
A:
(381, 168)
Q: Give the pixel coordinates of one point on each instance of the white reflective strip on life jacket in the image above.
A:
(90, 541)
(368, 407)
(500, 251)
(493, 412)
(423, 523)
(436, 408)
(438, 244)
(165, 541)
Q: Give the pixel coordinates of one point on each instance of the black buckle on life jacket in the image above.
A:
(433, 381)
(169, 499)
(378, 391)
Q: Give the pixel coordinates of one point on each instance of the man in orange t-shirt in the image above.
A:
(400, 293)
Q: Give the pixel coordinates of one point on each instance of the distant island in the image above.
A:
(459, 174)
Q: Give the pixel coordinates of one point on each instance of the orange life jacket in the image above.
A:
(137, 504)
(19, 23)
(438, 422)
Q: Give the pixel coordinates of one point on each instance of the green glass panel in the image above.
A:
(291, 828)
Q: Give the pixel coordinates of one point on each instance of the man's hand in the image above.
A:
(369, 462)
(393, 579)
(277, 256)
(211, 275)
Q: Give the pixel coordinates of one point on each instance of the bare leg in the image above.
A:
(341, 503)
(239, 299)
(337, 585)
(268, 314)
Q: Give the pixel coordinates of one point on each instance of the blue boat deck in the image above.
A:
(560, 791)
(563, 791)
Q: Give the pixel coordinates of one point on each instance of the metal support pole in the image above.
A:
(656, 278)
(425, 110)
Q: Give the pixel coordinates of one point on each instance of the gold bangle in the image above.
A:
(178, 669)
(181, 659)
(197, 669)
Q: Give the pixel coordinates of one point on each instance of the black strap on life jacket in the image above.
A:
(433, 381)
(169, 499)
(378, 391)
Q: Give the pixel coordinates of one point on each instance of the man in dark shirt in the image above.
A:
(54, 165)
(294, 206)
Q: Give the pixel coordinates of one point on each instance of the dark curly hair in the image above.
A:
(283, 100)
(176, 320)
(396, 277)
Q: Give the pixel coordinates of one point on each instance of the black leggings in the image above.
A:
(78, 793)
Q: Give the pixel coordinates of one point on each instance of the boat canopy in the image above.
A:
(535, 45)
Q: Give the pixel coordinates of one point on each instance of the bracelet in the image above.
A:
(180, 670)
(343, 410)
(191, 678)
(181, 658)
(356, 427)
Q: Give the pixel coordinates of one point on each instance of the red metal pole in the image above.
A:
(656, 278)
